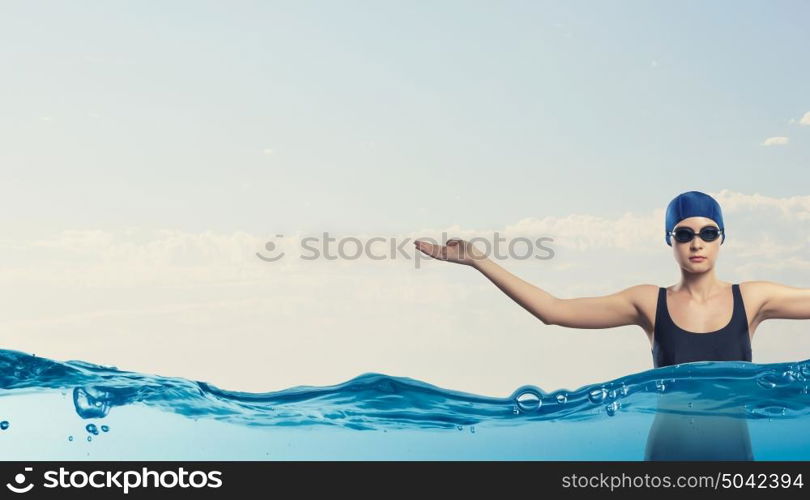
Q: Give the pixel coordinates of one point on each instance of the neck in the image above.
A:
(699, 285)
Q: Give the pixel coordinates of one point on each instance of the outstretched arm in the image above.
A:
(782, 301)
(608, 311)
(618, 309)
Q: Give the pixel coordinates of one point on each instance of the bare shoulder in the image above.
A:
(641, 292)
(754, 295)
(645, 298)
(753, 288)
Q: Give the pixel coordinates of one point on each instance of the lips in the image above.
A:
(697, 259)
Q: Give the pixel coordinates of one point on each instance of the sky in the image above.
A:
(149, 150)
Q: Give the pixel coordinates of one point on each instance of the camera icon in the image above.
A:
(20, 479)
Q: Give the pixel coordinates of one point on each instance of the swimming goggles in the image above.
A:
(685, 234)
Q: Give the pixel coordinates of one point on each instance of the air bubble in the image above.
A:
(597, 395)
(91, 402)
(529, 400)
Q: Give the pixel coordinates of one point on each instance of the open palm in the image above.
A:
(456, 250)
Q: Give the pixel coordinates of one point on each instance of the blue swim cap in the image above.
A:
(692, 204)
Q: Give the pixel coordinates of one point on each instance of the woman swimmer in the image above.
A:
(698, 319)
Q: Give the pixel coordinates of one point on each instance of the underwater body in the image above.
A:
(724, 410)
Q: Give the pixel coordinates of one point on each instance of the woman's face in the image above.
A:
(697, 247)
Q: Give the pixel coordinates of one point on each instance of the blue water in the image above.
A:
(51, 410)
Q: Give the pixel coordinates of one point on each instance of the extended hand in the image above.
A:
(456, 250)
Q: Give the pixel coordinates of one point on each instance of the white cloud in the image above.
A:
(775, 141)
(805, 120)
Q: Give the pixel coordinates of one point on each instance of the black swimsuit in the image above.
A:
(673, 345)
(675, 433)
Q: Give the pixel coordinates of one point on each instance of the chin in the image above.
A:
(697, 267)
